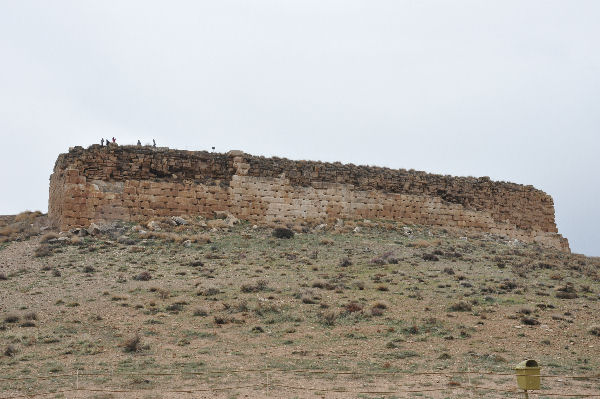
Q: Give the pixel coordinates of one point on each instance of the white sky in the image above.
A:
(506, 89)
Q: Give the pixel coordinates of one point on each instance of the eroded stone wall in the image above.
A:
(137, 183)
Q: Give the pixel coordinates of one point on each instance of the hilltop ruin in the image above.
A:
(136, 183)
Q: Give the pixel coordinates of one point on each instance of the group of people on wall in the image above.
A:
(114, 142)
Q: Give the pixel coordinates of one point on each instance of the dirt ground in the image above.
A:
(365, 310)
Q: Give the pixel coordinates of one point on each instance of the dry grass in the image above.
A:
(252, 300)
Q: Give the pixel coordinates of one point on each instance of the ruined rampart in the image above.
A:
(138, 183)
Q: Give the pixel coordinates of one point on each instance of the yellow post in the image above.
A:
(528, 375)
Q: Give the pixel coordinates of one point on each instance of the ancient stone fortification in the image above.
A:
(138, 183)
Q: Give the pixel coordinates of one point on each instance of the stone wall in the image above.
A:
(138, 183)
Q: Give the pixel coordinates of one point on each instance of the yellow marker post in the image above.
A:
(528, 375)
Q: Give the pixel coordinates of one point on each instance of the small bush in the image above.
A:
(461, 306)
(376, 311)
(345, 262)
(328, 318)
(420, 244)
(42, 250)
(449, 271)
(89, 269)
(595, 330)
(143, 276)
(132, 344)
(430, 257)
(10, 351)
(11, 318)
(30, 316)
(260, 285)
(48, 236)
(282, 232)
(353, 307)
(530, 321)
(209, 291)
(200, 312)
(3, 276)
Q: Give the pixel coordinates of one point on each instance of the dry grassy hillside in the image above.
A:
(368, 309)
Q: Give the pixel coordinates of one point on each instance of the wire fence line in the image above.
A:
(270, 385)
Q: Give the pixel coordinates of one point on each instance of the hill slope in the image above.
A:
(142, 308)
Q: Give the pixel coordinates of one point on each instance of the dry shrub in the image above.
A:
(10, 351)
(30, 316)
(3, 276)
(27, 216)
(328, 318)
(594, 330)
(199, 238)
(260, 285)
(209, 291)
(282, 232)
(353, 307)
(345, 262)
(376, 312)
(326, 241)
(461, 306)
(11, 318)
(48, 236)
(42, 250)
(143, 276)
(420, 244)
(132, 344)
(201, 312)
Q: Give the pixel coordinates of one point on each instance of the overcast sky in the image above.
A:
(506, 89)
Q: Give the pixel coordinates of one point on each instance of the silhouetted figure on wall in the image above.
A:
(107, 142)
(153, 143)
(114, 140)
(139, 143)
(102, 142)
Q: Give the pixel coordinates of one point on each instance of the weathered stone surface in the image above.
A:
(101, 184)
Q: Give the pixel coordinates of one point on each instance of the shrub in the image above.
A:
(48, 236)
(595, 330)
(380, 305)
(420, 244)
(530, 321)
(132, 344)
(176, 307)
(201, 312)
(10, 351)
(89, 269)
(568, 291)
(209, 291)
(143, 276)
(30, 316)
(42, 250)
(430, 257)
(353, 307)
(260, 285)
(11, 318)
(376, 311)
(461, 306)
(328, 318)
(282, 232)
(3, 276)
(345, 262)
